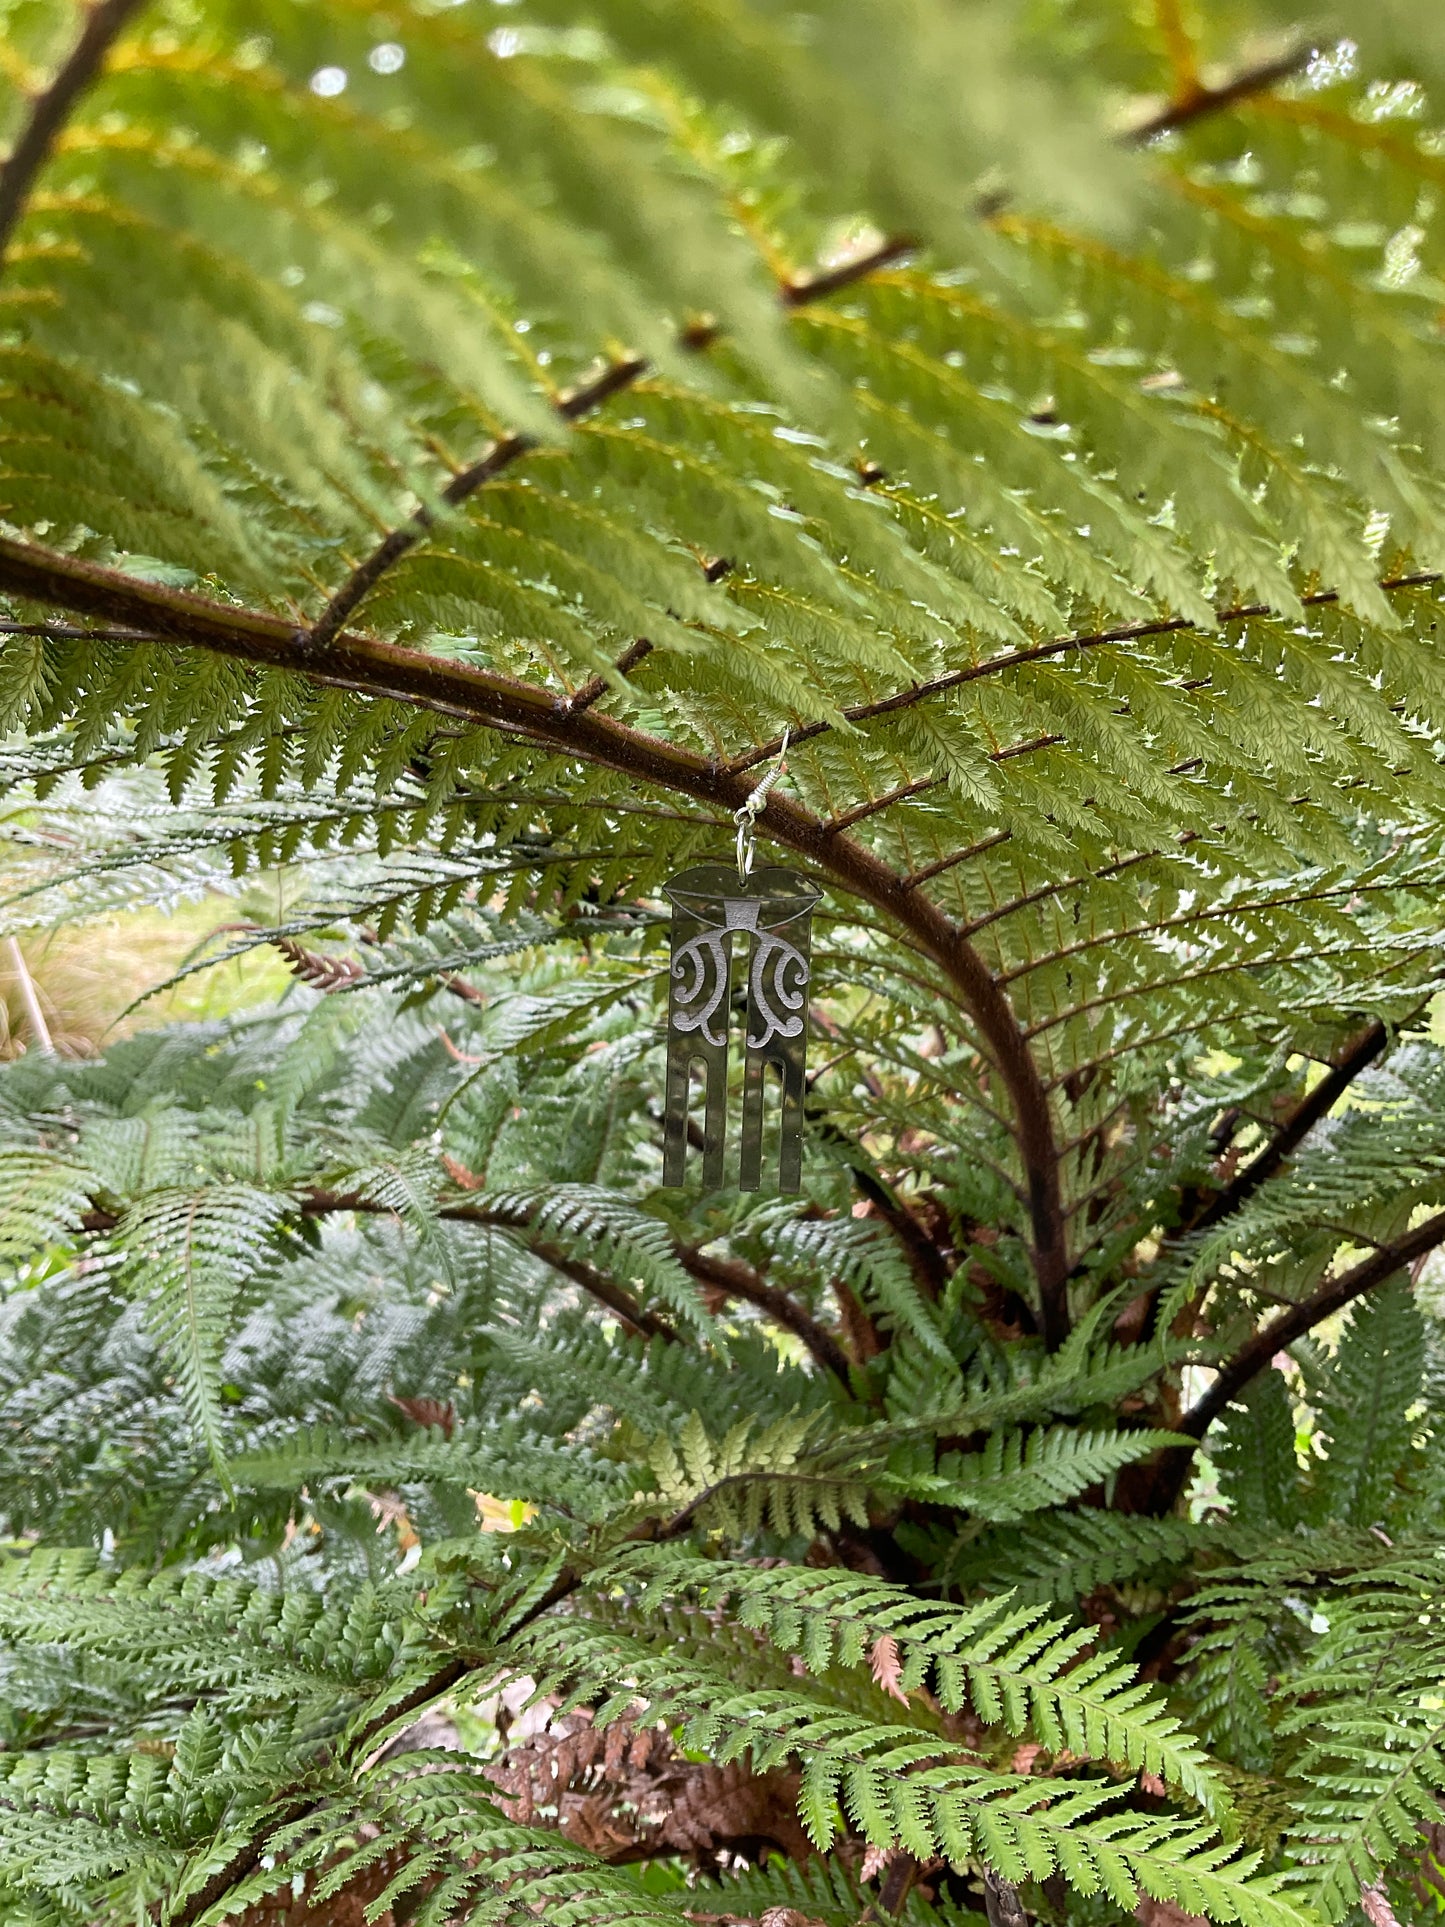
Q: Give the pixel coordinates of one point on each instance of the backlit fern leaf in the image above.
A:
(1366, 1421)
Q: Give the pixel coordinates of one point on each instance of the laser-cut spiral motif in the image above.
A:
(768, 988)
(710, 903)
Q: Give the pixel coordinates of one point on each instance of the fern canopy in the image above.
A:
(448, 454)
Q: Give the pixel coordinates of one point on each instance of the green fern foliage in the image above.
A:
(453, 460)
(1368, 1420)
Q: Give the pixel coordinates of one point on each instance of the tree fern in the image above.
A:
(448, 454)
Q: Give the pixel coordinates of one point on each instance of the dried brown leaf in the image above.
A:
(627, 1793)
(313, 967)
(875, 1859)
(886, 1666)
(1165, 1913)
(427, 1411)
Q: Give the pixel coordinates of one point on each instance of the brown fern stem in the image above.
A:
(611, 1296)
(571, 406)
(485, 699)
(1358, 1053)
(104, 23)
(1233, 965)
(1201, 1210)
(1168, 1474)
(1190, 920)
(1124, 632)
(1252, 1358)
(597, 1284)
(862, 811)
(955, 857)
(1199, 102)
(803, 288)
(739, 1280)
(596, 687)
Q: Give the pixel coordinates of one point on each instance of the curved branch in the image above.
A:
(623, 1306)
(1169, 1472)
(322, 1204)
(597, 686)
(861, 811)
(1065, 646)
(1331, 1297)
(104, 24)
(739, 1280)
(507, 449)
(489, 700)
(1356, 1056)
(1046, 890)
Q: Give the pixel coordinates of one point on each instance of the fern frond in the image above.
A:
(187, 1254)
(1014, 1666)
(1365, 1418)
(447, 463)
(1017, 1473)
(501, 1460)
(42, 1201)
(894, 1787)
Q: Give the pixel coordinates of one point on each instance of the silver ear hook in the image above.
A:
(747, 816)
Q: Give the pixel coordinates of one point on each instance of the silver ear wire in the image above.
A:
(746, 817)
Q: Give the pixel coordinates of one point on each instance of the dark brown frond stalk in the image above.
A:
(1001, 1901)
(285, 1810)
(571, 406)
(1199, 102)
(1356, 1056)
(597, 1284)
(104, 23)
(1124, 632)
(738, 1280)
(1170, 1471)
(862, 811)
(951, 862)
(597, 686)
(804, 288)
(1332, 1296)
